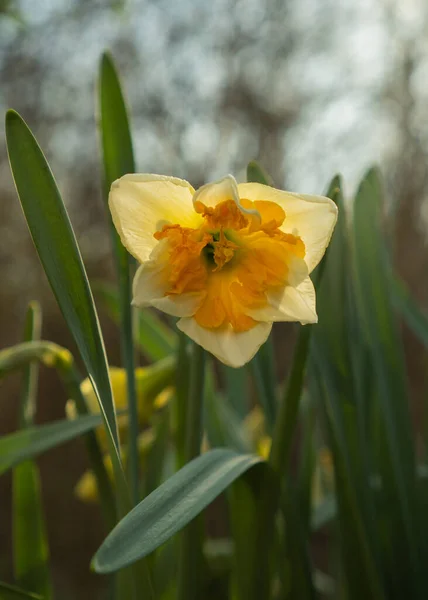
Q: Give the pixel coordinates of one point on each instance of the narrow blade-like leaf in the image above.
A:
(21, 445)
(170, 507)
(11, 592)
(56, 245)
(30, 543)
(374, 302)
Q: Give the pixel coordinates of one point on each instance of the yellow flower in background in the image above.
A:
(153, 385)
(86, 488)
(228, 259)
(154, 391)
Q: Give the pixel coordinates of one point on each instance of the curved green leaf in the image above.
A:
(115, 132)
(374, 302)
(11, 592)
(170, 507)
(59, 254)
(58, 251)
(30, 543)
(21, 445)
(118, 160)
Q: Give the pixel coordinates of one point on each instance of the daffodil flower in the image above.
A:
(86, 488)
(228, 259)
(154, 391)
(153, 386)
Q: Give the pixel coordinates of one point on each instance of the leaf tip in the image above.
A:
(106, 62)
(12, 115)
(94, 567)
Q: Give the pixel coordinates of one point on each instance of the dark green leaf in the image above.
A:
(56, 245)
(21, 445)
(118, 160)
(222, 424)
(415, 318)
(170, 507)
(31, 551)
(237, 385)
(374, 302)
(257, 174)
(30, 544)
(336, 383)
(115, 132)
(11, 592)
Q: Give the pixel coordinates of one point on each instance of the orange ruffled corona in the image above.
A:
(228, 259)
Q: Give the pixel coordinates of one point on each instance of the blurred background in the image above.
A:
(308, 88)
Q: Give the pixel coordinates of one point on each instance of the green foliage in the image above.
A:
(11, 592)
(118, 160)
(170, 507)
(30, 544)
(342, 455)
(56, 245)
(32, 441)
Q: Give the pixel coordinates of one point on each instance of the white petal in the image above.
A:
(232, 349)
(141, 204)
(290, 304)
(149, 289)
(311, 217)
(212, 194)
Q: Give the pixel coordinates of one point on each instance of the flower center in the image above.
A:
(219, 251)
(231, 260)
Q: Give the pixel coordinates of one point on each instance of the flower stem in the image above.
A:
(71, 380)
(128, 360)
(263, 369)
(285, 423)
(190, 556)
(181, 399)
(276, 476)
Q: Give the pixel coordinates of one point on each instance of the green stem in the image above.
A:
(32, 330)
(181, 399)
(278, 461)
(285, 424)
(265, 391)
(190, 556)
(128, 360)
(71, 380)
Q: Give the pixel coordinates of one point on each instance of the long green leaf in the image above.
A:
(170, 507)
(115, 131)
(11, 592)
(118, 160)
(190, 557)
(334, 353)
(362, 577)
(415, 318)
(223, 426)
(374, 302)
(32, 331)
(56, 245)
(237, 385)
(22, 445)
(30, 544)
(243, 496)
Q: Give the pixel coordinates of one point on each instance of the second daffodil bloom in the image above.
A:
(228, 259)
